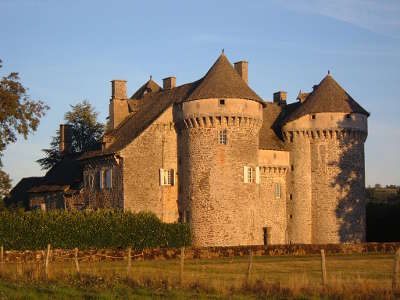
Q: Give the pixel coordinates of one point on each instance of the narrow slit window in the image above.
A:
(222, 137)
(277, 190)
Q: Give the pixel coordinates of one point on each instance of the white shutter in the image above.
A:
(258, 175)
(161, 177)
(245, 174)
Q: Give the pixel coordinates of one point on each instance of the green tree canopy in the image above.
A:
(19, 115)
(86, 132)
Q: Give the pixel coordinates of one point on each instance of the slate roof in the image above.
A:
(223, 81)
(270, 131)
(327, 96)
(149, 87)
(67, 174)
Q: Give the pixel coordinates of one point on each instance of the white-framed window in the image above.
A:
(108, 178)
(222, 137)
(251, 174)
(167, 176)
(277, 188)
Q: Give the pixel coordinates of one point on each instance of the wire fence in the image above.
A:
(247, 268)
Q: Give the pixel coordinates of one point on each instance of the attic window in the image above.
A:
(222, 102)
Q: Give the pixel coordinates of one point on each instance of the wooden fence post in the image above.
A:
(182, 265)
(76, 261)
(396, 271)
(129, 261)
(1, 258)
(249, 267)
(47, 261)
(323, 267)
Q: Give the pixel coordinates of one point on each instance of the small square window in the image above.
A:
(348, 116)
(221, 102)
(222, 137)
(313, 117)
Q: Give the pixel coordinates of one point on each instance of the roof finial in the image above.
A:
(223, 51)
(151, 77)
(329, 72)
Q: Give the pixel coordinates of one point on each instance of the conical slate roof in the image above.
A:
(328, 96)
(149, 87)
(222, 81)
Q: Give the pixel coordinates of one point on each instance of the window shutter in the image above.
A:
(161, 177)
(258, 175)
(245, 174)
(172, 176)
(101, 179)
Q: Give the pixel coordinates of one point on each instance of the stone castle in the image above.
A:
(212, 153)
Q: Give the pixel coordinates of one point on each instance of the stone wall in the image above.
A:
(272, 209)
(152, 150)
(61, 255)
(338, 188)
(299, 220)
(94, 197)
(221, 208)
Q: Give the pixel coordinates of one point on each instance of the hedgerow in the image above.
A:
(89, 229)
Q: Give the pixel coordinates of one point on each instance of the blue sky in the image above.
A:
(67, 51)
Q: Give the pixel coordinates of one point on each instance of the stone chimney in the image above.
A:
(242, 67)
(169, 83)
(65, 139)
(118, 109)
(280, 98)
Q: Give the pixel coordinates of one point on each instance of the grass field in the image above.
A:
(349, 276)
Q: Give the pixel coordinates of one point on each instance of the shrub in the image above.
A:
(89, 229)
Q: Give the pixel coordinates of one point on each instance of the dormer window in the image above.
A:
(221, 102)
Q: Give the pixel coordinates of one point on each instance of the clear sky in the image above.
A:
(67, 51)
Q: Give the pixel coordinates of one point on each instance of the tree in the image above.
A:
(86, 132)
(19, 115)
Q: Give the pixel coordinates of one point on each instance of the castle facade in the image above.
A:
(238, 169)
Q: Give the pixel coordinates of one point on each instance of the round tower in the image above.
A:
(330, 128)
(218, 155)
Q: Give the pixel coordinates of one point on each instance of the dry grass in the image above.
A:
(349, 276)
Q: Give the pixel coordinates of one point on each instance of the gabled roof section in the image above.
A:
(327, 96)
(154, 104)
(147, 88)
(222, 81)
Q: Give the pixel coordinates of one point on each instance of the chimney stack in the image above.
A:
(65, 139)
(118, 89)
(169, 83)
(242, 67)
(280, 98)
(118, 108)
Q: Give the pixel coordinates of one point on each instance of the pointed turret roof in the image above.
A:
(327, 96)
(222, 81)
(149, 87)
